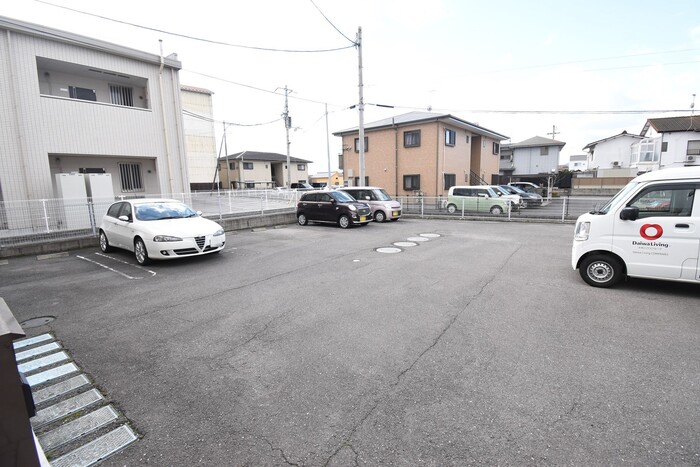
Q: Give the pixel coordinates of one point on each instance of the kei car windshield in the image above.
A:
(342, 197)
(381, 195)
(160, 211)
(615, 200)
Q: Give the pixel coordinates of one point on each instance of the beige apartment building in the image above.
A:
(422, 153)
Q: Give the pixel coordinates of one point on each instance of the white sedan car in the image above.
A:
(159, 229)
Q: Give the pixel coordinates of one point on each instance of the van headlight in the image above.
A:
(583, 229)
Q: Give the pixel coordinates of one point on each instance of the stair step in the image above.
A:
(66, 407)
(77, 428)
(96, 450)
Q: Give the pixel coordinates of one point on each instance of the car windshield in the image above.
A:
(162, 210)
(342, 197)
(615, 201)
(381, 195)
(512, 189)
(500, 191)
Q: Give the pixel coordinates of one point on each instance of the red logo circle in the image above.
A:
(645, 227)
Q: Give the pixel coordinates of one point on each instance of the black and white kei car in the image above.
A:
(159, 229)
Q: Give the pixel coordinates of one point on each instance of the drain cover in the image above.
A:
(36, 322)
(388, 249)
(405, 244)
(417, 239)
(430, 235)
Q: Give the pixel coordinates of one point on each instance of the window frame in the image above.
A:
(414, 180)
(449, 180)
(450, 137)
(248, 166)
(357, 144)
(131, 177)
(411, 135)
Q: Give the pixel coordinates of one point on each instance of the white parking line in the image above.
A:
(152, 273)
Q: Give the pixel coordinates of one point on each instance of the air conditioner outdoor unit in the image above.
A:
(690, 158)
(615, 163)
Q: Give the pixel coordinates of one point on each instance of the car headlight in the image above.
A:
(352, 207)
(219, 232)
(166, 238)
(583, 229)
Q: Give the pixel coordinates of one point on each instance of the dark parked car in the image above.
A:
(301, 186)
(529, 198)
(336, 207)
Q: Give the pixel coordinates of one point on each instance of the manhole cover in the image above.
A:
(36, 322)
(404, 244)
(417, 239)
(388, 249)
(430, 235)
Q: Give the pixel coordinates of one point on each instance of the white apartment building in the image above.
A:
(72, 104)
(200, 138)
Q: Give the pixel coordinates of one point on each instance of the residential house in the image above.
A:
(251, 169)
(611, 157)
(532, 158)
(322, 178)
(421, 152)
(71, 104)
(668, 142)
(578, 163)
(200, 138)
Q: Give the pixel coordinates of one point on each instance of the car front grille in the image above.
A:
(200, 241)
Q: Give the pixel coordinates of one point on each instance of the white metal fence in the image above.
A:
(38, 221)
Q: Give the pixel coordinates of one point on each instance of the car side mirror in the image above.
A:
(629, 213)
(199, 213)
(367, 198)
(124, 218)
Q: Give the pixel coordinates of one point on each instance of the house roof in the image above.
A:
(536, 141)
(610, 138)
(185, 87)
(412, 118)
(261, 156)
(57, 35)
(672, 124)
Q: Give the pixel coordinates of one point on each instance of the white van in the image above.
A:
(650, 229)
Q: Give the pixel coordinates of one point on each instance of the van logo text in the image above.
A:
(656, 229)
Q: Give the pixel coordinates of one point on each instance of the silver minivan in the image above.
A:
(383, 207)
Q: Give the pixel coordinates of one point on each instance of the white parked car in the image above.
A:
(159, 229)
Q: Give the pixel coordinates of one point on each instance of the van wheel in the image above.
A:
(344, 221)
(496, 210)
(601, 270)
(451, 208)
(379, 216)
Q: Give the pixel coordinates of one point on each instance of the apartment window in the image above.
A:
(357, 144)
(130, 176)
(645, 151)
(467, 139)
(121, 95)
(356, 181)
(83, 94)
(411, 139)
(247, 166)
(450, 180)
(496, 148)
(450, 137)
(301, 166)
(544, 150)
(411, 182)
(232, 165)
(693, 148)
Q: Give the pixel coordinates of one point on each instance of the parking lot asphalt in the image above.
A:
(307, 346)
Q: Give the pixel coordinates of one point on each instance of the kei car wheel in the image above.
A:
(302, 219)
(379, 216)
(104, 243)
(451, 208)
(496, 210)
(140, 252)
(601, 270)
(344, 221)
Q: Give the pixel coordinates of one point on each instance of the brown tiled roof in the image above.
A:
(672, 124)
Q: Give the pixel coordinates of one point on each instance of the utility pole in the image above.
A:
(361, 110)
(228, 165)
(554, 131)
(328, 151)
(287, 126)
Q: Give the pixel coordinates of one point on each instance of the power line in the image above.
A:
(212, 120)
(264, 49)
(329, 22)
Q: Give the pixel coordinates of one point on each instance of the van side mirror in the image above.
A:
(629, 213)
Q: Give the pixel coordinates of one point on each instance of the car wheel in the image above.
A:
(302, 219)
(601, 270)
(496, 210)
(104, 243)
(451, 208)
(344, 221)
(140, 252)
(379, 216)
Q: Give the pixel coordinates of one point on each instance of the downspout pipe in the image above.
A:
(165, 120)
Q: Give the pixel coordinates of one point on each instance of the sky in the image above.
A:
(584, 70)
